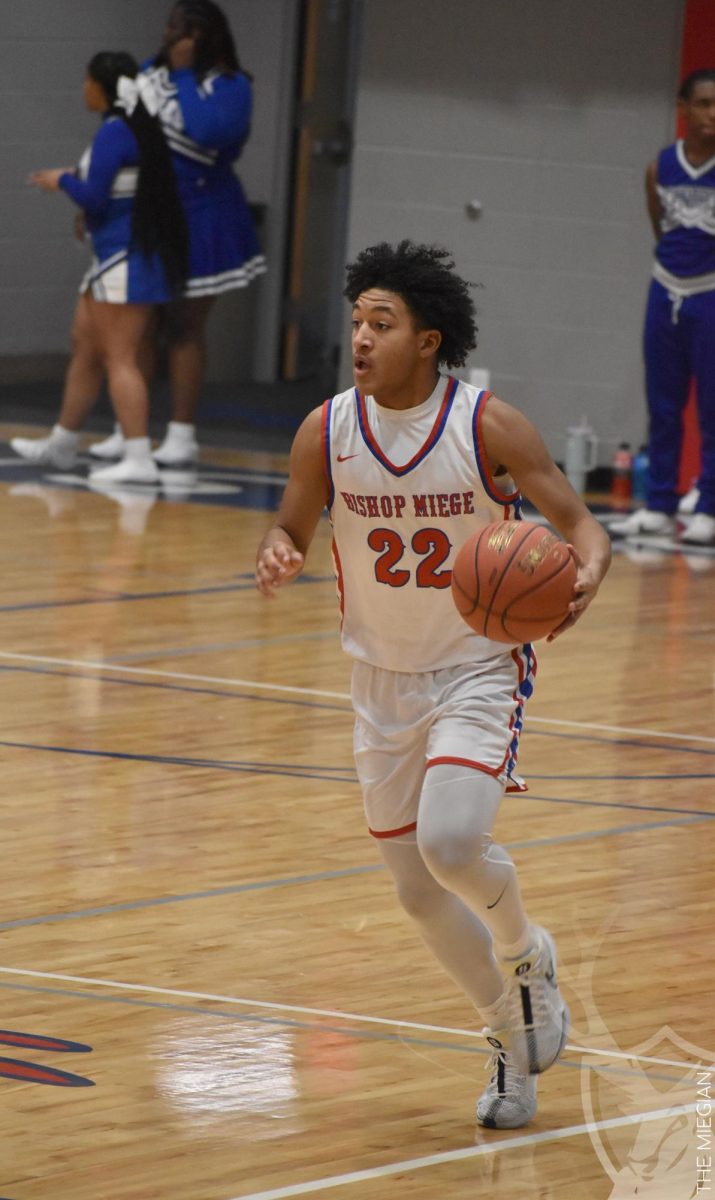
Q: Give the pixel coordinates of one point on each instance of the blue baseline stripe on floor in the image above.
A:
(320, 876)
(164, 652)
(188, 897)
(372, 1035)
(621, 776)
(693, 812)
(297, 772)
(180, 687)
(176, 760)
(126, 597)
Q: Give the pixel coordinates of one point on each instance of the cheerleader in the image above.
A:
(204, 101)
(126, 189)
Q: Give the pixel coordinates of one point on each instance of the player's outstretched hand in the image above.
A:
(277, 565)
(584, 589)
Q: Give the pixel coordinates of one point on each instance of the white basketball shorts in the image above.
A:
(470, 714)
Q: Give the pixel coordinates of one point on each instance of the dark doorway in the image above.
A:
(314, 309)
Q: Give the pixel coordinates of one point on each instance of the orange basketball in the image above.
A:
(512, 581)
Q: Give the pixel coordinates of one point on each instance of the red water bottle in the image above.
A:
(622, 475)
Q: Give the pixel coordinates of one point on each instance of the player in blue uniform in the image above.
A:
(679, 338)
(126, 189)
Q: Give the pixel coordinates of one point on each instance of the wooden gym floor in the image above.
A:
(208, 989)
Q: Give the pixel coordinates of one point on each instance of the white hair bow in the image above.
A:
(130, 91)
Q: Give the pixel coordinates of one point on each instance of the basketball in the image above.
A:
(512, 581)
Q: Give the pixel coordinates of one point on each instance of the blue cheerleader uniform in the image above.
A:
(679, 336)
(206, 123)
(104, 186)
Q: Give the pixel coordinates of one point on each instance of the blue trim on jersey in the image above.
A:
(432, 438)
(524, 691)
(507, 499)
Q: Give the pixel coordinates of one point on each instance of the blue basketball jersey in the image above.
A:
(687, 196)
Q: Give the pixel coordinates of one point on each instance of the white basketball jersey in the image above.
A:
(407, 488)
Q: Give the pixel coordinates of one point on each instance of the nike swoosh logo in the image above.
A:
(345, 457)
(506, 885)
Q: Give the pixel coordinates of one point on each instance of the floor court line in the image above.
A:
(328, 775)
(266, 698)
(336, 1014)
(318, 1026)
(123, 597)
(449, 1156)
(309, 703)
(293, 880)
(257, 685)
(88, 665)
(224, 647)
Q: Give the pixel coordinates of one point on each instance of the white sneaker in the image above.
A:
(176, 454)
(127, 470)
(643, 521)
(540, 1017)
(701, 530)
(179, 447)
(688, 501)
(45, 452)
(509, 1099)
(111, 448)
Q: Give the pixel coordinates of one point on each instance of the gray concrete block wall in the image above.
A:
(44, 48)
(546, 113)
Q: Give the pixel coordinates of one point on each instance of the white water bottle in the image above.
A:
(581, 452)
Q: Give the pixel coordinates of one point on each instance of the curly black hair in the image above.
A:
(424, 278)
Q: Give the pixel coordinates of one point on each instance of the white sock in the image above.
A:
(138, 449)
(496, 1015)
(64, 437)
(515, 950)
(180, 432)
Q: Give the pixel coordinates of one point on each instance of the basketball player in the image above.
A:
(679, 336)
(408, 464)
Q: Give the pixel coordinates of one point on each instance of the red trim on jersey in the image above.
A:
(432, 438)
(507, 499)
(465, 762)
(389, 833)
